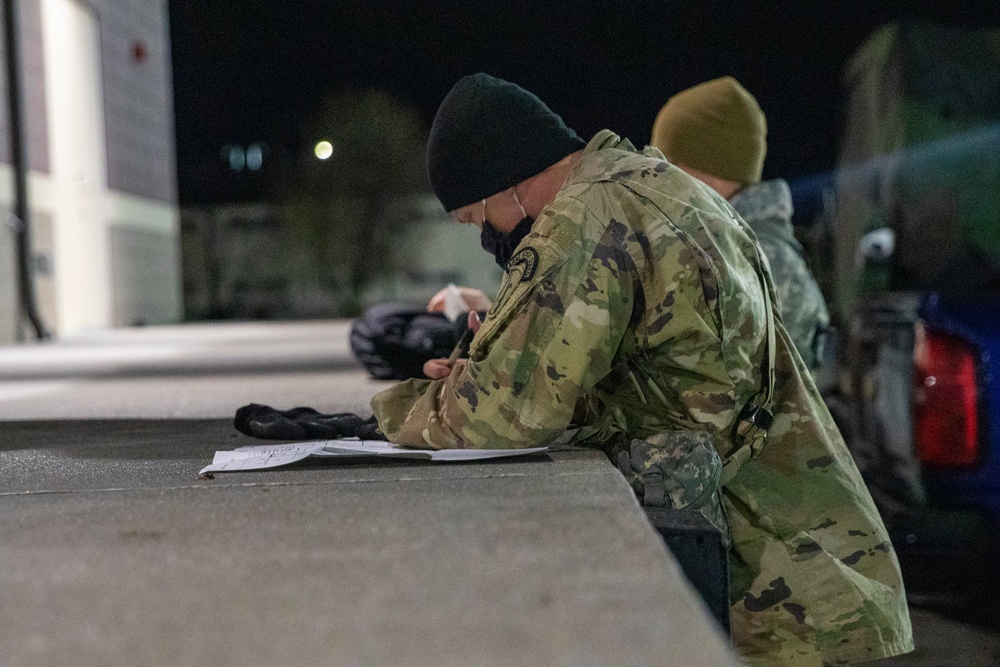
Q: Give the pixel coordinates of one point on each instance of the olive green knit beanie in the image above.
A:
(716, 127)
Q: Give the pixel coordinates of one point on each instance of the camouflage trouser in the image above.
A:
(677, 470)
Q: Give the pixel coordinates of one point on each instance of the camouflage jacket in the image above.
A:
(767, 208)
(632, 308)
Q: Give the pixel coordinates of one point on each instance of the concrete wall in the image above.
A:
(33, 90)
(8, 281)
(138, 97)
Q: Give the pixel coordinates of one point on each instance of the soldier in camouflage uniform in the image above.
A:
(637, 306)
(717, 132)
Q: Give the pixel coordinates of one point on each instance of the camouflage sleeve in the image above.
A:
(553, 330)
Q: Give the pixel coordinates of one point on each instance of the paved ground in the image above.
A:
(113, 552)
(192, 371)
(945, 642)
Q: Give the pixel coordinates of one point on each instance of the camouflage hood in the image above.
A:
(767, 208)
(587, 170)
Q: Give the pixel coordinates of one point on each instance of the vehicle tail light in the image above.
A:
(945, 399)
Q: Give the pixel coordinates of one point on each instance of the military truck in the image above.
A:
(916, 291)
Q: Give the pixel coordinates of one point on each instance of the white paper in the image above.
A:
(269, 456)
(454, 304)
(265, 456)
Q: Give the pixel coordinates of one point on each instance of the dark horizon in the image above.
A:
(253, 71)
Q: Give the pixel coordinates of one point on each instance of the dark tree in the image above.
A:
(345, 212)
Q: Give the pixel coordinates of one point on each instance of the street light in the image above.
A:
(323, 150)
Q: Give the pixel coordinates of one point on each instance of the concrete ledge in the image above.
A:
(115, 554)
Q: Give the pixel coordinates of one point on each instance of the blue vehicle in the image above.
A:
(915, 286)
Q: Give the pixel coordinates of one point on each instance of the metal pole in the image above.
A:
(19, 162)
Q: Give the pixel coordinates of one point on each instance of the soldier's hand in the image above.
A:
(437, 369)
(476, 300)
(474, 321)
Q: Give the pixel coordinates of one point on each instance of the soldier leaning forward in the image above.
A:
(636, 304)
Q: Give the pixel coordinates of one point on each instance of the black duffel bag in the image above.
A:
(393, 340)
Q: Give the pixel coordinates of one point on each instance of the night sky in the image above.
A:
(251, 71)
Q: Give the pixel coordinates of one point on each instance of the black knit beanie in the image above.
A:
(489, 135)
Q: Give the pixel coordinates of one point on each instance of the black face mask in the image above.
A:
(501, 245)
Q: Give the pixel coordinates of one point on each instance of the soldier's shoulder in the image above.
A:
(575, 220)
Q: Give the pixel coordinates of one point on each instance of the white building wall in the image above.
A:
(105, 226)
(74, 95)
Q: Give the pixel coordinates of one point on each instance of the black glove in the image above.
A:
(262, 421)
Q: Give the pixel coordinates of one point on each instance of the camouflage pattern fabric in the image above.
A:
(767, 208)
(634, 308)
(677, 470)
